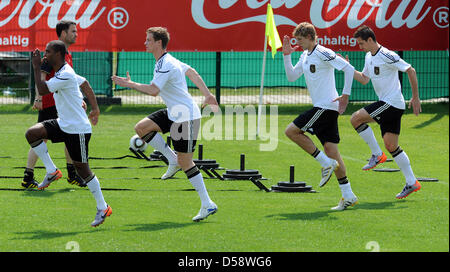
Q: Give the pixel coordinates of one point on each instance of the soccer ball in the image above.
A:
(137, 143)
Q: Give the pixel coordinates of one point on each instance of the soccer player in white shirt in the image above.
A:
(317, 64)
(381, 67)
(71, 127)
(181, 117)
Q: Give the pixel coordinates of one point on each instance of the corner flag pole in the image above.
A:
(261, 89)
(273, 39)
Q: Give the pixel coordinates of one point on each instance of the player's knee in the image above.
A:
(32, 135)
(330, 151)
(391, 147)
(355, 120)
(290, 132)
(140, 129)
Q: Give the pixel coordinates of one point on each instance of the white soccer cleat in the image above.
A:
(345, 203)
(327, 172)
(171, 171)
(205, 212)
(100, 216)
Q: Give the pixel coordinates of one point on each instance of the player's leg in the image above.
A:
(359, 121)
(77, 146)
(35, 136)
(72, 176)
(296, 132)
(184, 137)
(298, 136)
(401, 158)
(348, 197)
(92, 182)
(28, 179)
(147, 129)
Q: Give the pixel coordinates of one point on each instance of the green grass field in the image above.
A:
(154, 215)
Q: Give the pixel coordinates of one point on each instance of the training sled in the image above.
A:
(242, 173)
(208, 166)
(292, 186)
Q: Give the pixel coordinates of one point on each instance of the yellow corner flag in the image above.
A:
(271, 31)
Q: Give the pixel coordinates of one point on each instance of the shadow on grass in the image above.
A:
(158, 226)
(46, 234)
(327, 214)
(45, 193)
(435, 118)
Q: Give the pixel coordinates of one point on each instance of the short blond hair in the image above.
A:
(305, 29)
(160, 34)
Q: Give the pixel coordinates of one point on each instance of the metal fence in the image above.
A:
(234, 77)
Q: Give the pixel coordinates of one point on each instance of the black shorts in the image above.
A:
(388, 117)
(77, 144)
(47, 114)
(320, 122)
(183, 135)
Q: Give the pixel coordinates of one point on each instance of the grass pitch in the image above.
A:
(154, 215)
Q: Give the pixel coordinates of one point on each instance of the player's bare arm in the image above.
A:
(95, 111)
(210, 99)
(415, 99)
(343, 102)
(361, 78)
(40, 84)
(150, 89)
(349, 71)
(37, 105)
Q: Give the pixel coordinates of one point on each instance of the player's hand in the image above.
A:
(346, 57)
(83, 105)
(212, 102)
(122, 81)
(93, 116)
(287, 48)
(36, 58)
(415, 104)
(343, 102)
(37, 105)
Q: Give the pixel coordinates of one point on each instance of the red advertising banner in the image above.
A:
(222, 25)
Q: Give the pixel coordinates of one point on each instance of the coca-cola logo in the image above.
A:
(117, 16)
(399, 18)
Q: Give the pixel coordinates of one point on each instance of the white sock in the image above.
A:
(159, 144)
(346, 190)
(94, 187)
(370, 140)
(197, 181)
(42, 152)
(323, 159)
(403, 162)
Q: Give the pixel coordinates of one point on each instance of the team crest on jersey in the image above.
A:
(312, 68)
(376, 70)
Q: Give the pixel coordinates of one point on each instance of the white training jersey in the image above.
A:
(382, 69)
(318, 67)
(170, 77)
(64, 85)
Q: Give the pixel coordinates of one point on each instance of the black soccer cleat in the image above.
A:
(76, 180)
(32, 184)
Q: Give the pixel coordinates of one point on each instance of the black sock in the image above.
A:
(71, 172)
(28, 174)
(343, 180)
